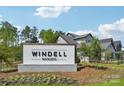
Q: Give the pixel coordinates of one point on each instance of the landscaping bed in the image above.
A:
(36, 79)
(86, 75)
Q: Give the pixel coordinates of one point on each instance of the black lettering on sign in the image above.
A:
(60, 54)
(43, 54)
(65, 54)
(49, 54)
(34, 54)
(39, 54)
(55, 54)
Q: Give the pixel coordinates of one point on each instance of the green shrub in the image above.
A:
(77, 60)
(36, 79)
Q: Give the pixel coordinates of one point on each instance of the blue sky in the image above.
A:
(103, 22)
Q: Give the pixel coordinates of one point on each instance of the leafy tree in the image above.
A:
(30, 34)
(95, 50)
(61, 32)
(8, 34)
(48, 36)
(85, 49)
(33, 34)
(26, 33)
(17, 53)
(91, 50)
(8, 43)
(6, 54)
(108, 54)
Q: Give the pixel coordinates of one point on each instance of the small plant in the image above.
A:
(36, 79)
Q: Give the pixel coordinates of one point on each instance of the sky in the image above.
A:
(100, 21)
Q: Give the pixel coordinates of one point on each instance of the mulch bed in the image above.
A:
(85, 75)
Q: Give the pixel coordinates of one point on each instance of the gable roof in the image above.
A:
(105, 45)
(117, 43)
(83, 36)
(72, 35)
(75, 37)
(106, 42)
(68, 39)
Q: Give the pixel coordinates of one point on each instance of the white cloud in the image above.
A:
(18, 27)
(1, 18)
(114, 30)
(81, 32)
(51, 12)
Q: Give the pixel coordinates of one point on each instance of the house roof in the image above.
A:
(106, 42)
(68, 39)
(105, 45)
(72, 35)
(83, 36)
(116, 43)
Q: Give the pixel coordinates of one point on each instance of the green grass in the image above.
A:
(115, 82)
(44, 85)
(112, 65)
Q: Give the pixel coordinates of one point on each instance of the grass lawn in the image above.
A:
(112, 65)
(115, 82)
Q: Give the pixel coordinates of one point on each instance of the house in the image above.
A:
(118, 45)
(108, 43)
(86, 38)
(72, 35)
(108, 48)
(64, 39)
(71, 38)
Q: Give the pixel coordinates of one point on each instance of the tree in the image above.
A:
(5, 55)
(108, 54)
(30, 34)
(61, 32)
(26, 33)
(95, 50)
(8, 34)
(8, 43)
(18, 53)
(84, 49)
(33, 35)
(48, 36)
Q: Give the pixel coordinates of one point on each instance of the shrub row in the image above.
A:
(36, 79)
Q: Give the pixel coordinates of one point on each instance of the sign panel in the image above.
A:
(48, 54)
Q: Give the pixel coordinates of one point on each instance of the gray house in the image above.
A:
(71, 38)
(64, 39)
(118, 45)
(86, 38)
(107, 45)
